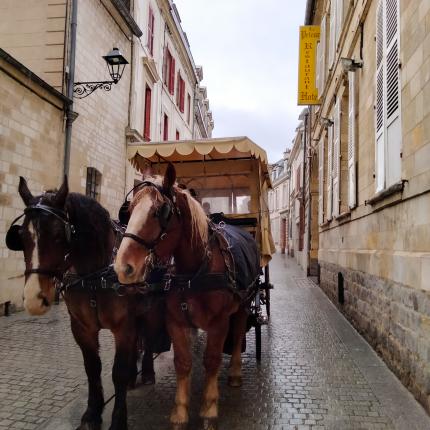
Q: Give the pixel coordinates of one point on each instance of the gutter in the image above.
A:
(70, 114)
(310, 10)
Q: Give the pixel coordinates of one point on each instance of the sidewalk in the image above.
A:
(316, 373)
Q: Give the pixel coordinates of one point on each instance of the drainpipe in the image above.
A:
(309, 190)
(70, 114)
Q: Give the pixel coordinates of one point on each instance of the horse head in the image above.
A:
(153, 230)
(44, 237)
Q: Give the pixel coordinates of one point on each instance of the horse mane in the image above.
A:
(199, 220)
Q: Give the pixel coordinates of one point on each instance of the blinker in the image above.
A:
(123, 213)
(14, 238)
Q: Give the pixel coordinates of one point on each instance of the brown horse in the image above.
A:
(70, 233)
(167, 222)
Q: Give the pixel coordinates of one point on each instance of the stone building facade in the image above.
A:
(32, 146)
(279, 202)
(371, 150)
(62, 43)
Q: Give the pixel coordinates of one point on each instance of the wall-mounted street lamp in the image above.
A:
(326, 122)
(115, 63)
(351, 65)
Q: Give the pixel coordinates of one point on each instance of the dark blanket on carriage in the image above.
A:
(245, 255)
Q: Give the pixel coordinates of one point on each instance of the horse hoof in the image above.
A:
(148, 379)
(210, 424)
(179, 426)
(90, 426)
(235, 381)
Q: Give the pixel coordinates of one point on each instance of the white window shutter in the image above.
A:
(321, 182)
(318, 70)
(330, 174)
(332, 41)
(352, 140)
(393, 132)
(339, 21)
(380, 99)
(336, 157)
(322, 62)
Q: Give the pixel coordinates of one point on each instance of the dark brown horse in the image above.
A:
(167, 222)
(70, 233)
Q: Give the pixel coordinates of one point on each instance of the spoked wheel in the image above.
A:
(267, 288)
(258, 321)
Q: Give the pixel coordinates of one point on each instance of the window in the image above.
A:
(169, 71)
(147, 119)
(321, 57)
(189, 108)
(338, 12)
(388, 121)
(94, 179)
(177, 135)
(151, 22)
(166, 127)
(180, 93)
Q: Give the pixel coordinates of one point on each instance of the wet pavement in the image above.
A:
(316, 373)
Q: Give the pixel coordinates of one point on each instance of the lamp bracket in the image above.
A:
(84, 89)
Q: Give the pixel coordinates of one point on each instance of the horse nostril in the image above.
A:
(128, 270)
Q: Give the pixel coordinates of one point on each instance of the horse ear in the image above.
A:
(147, 171)
(169, 177)
(60, 198)
(24, 191)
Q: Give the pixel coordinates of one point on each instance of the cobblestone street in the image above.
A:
(316, 373)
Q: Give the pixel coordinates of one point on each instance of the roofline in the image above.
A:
(33, 77)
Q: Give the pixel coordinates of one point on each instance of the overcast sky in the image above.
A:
(249, 53)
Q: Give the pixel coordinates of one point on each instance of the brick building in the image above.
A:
(371, 160)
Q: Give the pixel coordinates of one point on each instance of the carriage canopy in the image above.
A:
(229, 175)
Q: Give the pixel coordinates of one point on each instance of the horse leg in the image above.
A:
(239, 329)
(125, 343)
(133, 367)
(148, 374)
(88, 341)
(213, 354)
(183, 361)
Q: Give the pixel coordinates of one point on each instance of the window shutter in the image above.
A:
(380, 99)
(332, 41)
(336, 157)
(330, 174)
(147, 120)
(172, 76)
(182, 97)
(318, 69)
(352, 140)
(339, 21)
(165, 70)
(322, 53)
(150, 41)
(321, 182)
(178, 87)
(392, 88)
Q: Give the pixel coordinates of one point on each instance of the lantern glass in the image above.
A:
(115, 64)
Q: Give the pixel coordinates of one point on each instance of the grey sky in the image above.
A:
(249, 53)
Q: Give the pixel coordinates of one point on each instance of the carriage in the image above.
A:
(230, 178)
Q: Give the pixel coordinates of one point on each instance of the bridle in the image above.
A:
(14, 240)
(164, 215)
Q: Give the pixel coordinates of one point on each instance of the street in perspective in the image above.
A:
(214, 215)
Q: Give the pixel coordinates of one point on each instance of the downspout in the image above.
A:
(309, 190)
(70, 114)
(304, 175)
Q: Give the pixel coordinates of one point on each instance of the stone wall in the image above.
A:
(32, 146)
(394, 318)
(33, 32)
(98, 136)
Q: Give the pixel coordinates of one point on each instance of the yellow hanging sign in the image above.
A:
(309, 38)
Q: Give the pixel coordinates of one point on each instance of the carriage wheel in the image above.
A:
(267, 289)
(258, 341)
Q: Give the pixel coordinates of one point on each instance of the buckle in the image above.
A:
(168, 284)
(103, 282)
(93, 303)
(184, 306)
